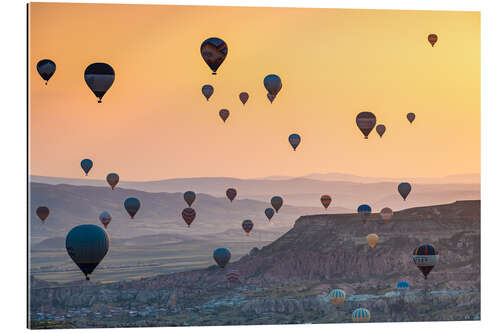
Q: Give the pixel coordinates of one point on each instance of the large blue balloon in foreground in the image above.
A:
(87, 245)
(86, 165)
(213, 51)
(132, 206)
(99, 77)
(222, 256)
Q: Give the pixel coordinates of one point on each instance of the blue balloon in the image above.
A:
(222, 256)
(87, 245)
(269, 213)
(46, 68)
(132, 206)
(86, 165)
(403, 285)
(364, 211)
(273, 84)
(361, 315)
(294, 140)
(404, 189)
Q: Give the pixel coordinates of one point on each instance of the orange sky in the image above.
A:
(154, 122)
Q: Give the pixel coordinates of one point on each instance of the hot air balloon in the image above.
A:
(270, 97)
(425, 257)
(42, 212)
(273, 85)
(325, 200)
(294, 140)
(366, 122)
(269, 213)
(188, 214)
(403, 287)
(337, 297)
(244, 97)
(386, 214)
(99, 77)
(213, 51)
(361, 315)
(189, 197)
(207, 91)
(112, 179)
(46, 68)
(380, 129)
(231, 194)
(404, 189)
(411, 117)
(432, 38)
(372, 240)
(222, 256)
(276, 202)
(247, 226)
(224, 114)
(233, 276)
(86, 165)
(132, 206)
(364, 211)
(87, 245)
(105, 218)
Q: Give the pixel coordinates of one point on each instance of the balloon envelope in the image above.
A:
(42, 212)
(222, 256)
(294, 140)
(189, 197)
(361, 315)
(231, 194)
(244, 97)
(46, 68)
(380, 129)
(276, 202)
(411, 117)
(325, 200)
(224, 114)
(337, 297)
(425, 257)
(269, 213)
(105, 218)
(213, 51)
(432, 38)
(272, 83)
(372, 240)
(132, 206)
(247, 226)
(112, 180)
(233, 276)
(364, 211)
(99, 77)
(366, 122)
(87, 245)
(404, 189)
(188, 214)
(403, 285)
(86, 165)
(386, 214)
(207, 91)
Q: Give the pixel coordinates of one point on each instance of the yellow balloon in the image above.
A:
(372, 240)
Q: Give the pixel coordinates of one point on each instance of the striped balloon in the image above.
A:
(403, 285)
(337, 297)
(247, 226)
(233, 276)
(325, 200)
(425, 257)
(361, 315)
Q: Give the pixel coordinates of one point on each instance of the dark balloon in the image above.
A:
(86, 165)
(273, 85)
(325, 200)
(188, 214)
(404, 189)
(432, 38)
(112, 180)
(425, 257)
(364, 211)
(380, 130)
(270, 97)
(105, 219)
(411, 117)
(189, 197)
(269, 213)
(224, 114)
(366, 122)
(99, 77)
(244, 97)
(231, 194)
(276, 202)
(222, 256)
(213, 51)
(46, 68)
(207, 91)
(247, 226)
(132, 206)
(294, 140)
(87, 245)
(42, 212)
